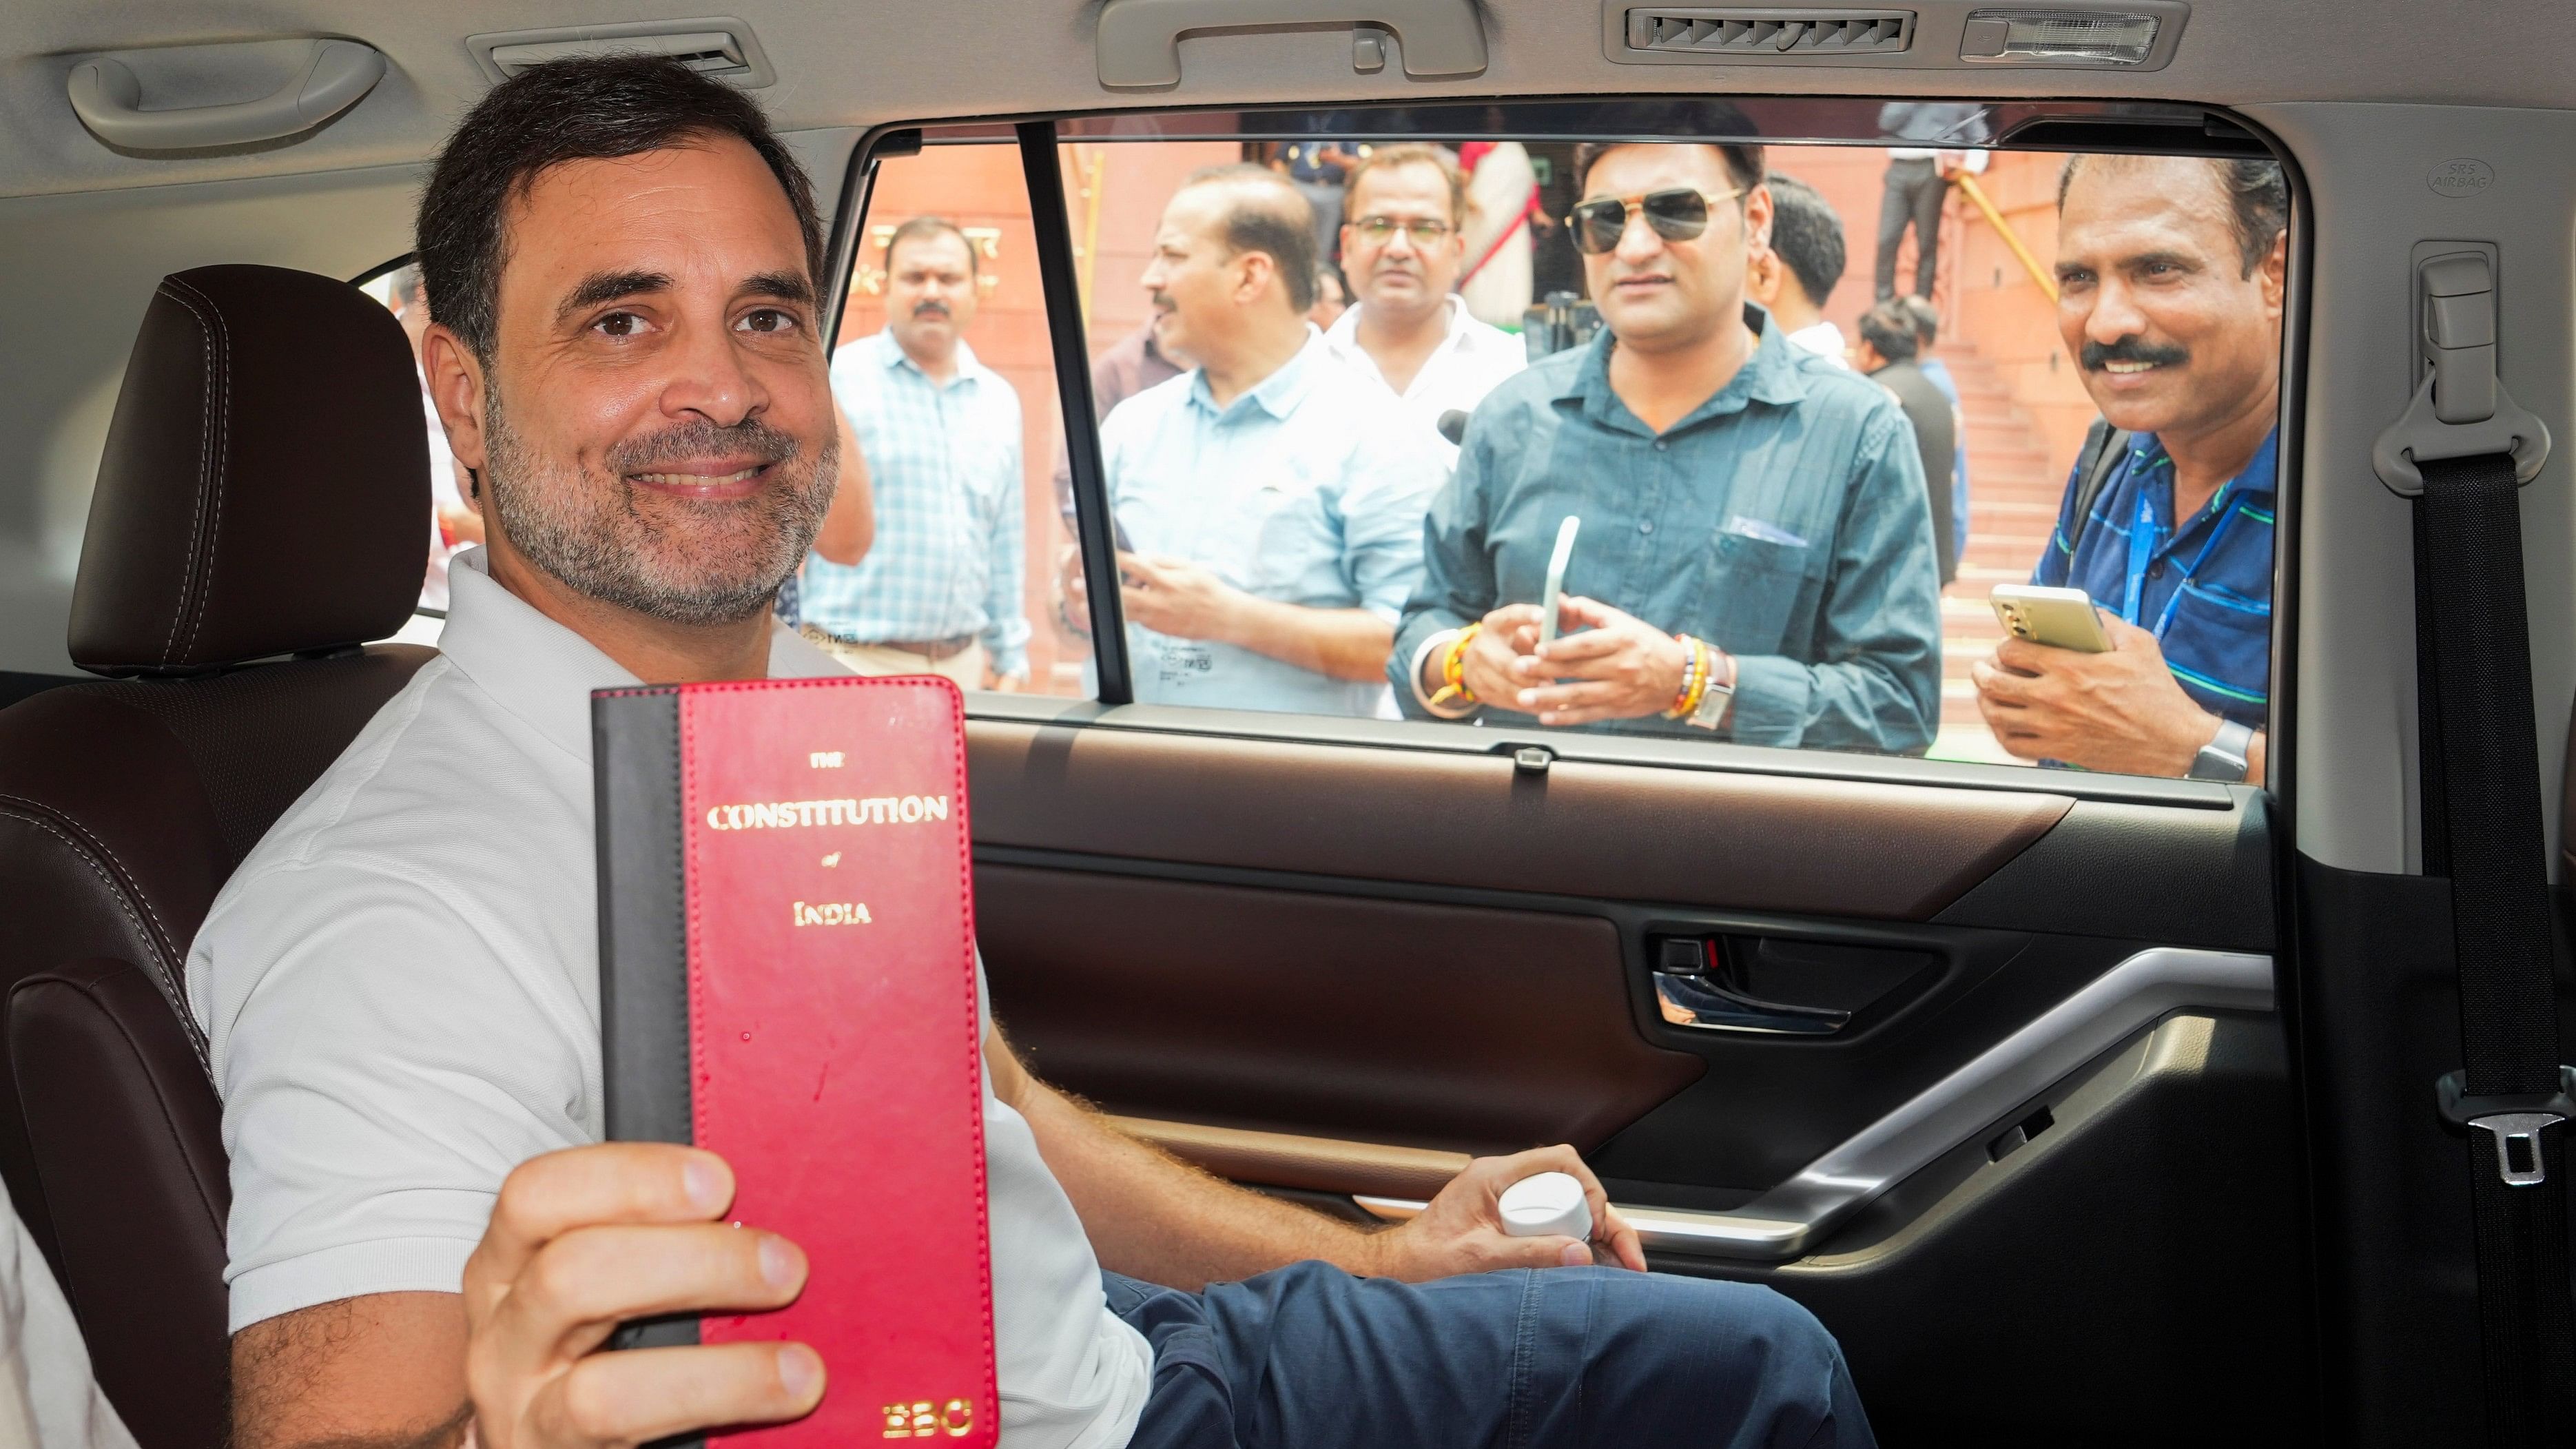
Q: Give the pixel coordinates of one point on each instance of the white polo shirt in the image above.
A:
(400, 992)
(1471, 359)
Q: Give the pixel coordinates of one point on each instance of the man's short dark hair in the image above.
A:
(929, 226)
(589, 108)
(1927, 319)
(1268, 216)
(1807, 235)
(1438, 158)
(2258, 201)
(1889, 330)
(1681, 120)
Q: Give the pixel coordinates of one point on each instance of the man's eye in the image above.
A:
(619, 324)
(767, 319)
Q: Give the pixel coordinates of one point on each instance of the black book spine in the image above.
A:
(643, 940)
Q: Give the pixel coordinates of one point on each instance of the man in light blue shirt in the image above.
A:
(1272, 497)
(939, 590)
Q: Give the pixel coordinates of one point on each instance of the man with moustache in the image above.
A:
(2170, 273)
(399, 985)
(1403, 248)
(939, 589)
(1273, 495)
(1756, 554)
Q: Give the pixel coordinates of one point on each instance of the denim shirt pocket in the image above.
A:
(1753, 588)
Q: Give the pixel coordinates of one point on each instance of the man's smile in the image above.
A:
(706, 478)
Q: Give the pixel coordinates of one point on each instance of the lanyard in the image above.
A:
(2144, 536)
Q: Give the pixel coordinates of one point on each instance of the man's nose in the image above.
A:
(1638, 241)
(2114, 313)
(709, 377)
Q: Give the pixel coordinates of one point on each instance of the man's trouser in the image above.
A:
(966, 666)
(1310, 1357)
(1915, 190)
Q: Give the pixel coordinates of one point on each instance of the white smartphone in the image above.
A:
(1556, 563)
(2059, 618)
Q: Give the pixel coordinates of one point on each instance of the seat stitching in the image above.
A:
(222, 464)
(168, 1124)
(127, 893)
(205, 436)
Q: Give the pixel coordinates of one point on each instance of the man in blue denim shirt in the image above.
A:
(1736, 492)
(2170, 274)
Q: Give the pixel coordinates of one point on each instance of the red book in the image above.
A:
(787, 977)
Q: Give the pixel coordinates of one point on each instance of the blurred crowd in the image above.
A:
(1340, 452)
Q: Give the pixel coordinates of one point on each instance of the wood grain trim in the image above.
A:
(1614, 832)
(1316, 1164)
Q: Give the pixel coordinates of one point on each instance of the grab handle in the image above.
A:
(1139, 40)
(108, 98)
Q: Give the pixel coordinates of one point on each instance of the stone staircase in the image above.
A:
(2012, 506)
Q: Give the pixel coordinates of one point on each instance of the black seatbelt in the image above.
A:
(2481, 756)
(2479, 766)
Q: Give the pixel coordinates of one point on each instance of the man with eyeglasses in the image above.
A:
(1403, 249)
(1755, 561)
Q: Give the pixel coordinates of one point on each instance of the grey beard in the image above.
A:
(583, 526)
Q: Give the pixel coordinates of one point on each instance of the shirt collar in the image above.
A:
(1344, 337)
(1769, 375)
(2259, 476)
(890, 354)
(543, 672)
(1278, 394)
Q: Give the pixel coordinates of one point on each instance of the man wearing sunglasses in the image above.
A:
(1756, 555)
(1403, 249)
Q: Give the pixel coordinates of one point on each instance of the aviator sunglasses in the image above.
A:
(1677, 214)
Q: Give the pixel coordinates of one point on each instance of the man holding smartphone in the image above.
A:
(2170, 273)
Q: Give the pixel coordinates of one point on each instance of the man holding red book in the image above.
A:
(429, 1245)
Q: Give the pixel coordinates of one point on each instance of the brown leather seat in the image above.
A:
(262, 509)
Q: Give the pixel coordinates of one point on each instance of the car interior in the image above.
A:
(2081, 1107)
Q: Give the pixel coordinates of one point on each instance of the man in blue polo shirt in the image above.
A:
(2170, 271)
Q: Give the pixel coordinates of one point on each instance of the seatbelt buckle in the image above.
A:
(2514, 1120)
(2460, 409)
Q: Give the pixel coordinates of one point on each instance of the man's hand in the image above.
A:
(1621, 667)
(2119, 711)
(1461, 1230)
(586, 1238)
(1176, 597)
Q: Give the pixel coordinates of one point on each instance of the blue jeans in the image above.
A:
(1310, 1357)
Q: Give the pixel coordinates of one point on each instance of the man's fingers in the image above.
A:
(584, 1283)
(1590, 644)
(2020, 656)
(1625, 1246)
(2000, 685)
(1579, 612)
(650, 1393)
(1594, 694)
(605, 1182)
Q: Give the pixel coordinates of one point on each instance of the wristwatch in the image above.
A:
(2223, 758)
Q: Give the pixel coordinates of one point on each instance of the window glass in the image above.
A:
(1793, 414)
(944, 373)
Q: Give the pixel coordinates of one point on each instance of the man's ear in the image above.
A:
(1253, 272)
(457, 390)
(2276, 273)
(1757, 217)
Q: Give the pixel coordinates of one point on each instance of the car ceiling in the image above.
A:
(843, 64)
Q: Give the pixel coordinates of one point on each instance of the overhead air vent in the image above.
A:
(1735, 34)
(722, 49)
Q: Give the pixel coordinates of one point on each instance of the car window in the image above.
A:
(1817, 428)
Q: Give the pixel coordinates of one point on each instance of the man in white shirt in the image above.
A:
(1796, 272)
(399, 985)
(1403, 247)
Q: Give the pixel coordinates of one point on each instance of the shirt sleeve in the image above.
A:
(2057, 560)
(382, 1069)
(1457, 584)
(1875, 680)
(1006, 628)
(1382, 516)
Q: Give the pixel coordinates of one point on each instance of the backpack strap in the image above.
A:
(2104, 447)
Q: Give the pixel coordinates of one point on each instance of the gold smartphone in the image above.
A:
(2059, 618)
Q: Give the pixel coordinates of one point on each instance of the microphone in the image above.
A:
(1453, 426)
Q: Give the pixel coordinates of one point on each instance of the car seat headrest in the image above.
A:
(265, 487)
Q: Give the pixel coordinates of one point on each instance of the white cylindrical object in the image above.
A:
(1548, 1205)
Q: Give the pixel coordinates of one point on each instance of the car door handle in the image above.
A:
(1695, 1002)
(108, 98)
